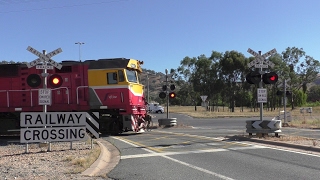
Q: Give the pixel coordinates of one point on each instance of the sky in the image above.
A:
(159, 32)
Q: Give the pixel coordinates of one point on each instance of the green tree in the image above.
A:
(233, 65)
(303, 69)
(184, 76)
(300, 98)
(313, 94)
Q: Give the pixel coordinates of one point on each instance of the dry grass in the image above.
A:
(83, 163)
(288, 138)
(303, 120)
(294, 139)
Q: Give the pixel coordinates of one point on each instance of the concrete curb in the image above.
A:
(276, 143)
(108, 159)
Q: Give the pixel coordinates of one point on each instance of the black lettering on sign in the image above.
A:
(27, 117)
(25, 137)
(53, 132)
(82, 133)
(38, 119)
(73, 133)
(45, 134)
(36, 133)
(61, 133)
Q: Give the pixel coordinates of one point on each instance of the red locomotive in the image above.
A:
(108, 86)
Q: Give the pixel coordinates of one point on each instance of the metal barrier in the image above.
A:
(306, 109)
(167, 122)
(263, 127)
(281, 116)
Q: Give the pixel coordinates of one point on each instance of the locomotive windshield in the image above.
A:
(131, 75)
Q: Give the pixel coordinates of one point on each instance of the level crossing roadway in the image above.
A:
(204, 153)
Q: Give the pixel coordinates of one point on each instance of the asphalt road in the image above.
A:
(233, 126)
(202, 153)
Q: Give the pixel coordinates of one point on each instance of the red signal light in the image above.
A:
(55, 80)
(273, 78)
(172, 95)
(270, 78)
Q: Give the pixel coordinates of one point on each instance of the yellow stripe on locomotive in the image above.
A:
(117, 77)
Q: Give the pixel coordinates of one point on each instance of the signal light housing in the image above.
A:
(172, 87)
(253, 77)
(164, 87)
(172, 95)
(34, 80)
(270, 78)
(162, 95)
(279, 93)
(288, 93)
(55, 80)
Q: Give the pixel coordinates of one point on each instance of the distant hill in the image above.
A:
(317, 81)
(156, 81)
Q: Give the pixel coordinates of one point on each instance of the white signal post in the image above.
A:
(261, 62)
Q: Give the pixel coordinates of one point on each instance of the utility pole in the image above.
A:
(284, 102)
(80, 43)
(260, 86)
(148, 88)
(167, 94)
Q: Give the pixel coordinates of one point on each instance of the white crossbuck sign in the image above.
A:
(261, 59)
(44, 58)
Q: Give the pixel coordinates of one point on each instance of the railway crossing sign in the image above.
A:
(57, 126)
(44, 58)
(260, 61)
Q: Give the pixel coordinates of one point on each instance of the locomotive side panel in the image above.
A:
(17, 95)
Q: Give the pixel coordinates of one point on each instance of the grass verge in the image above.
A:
(298, 119)
(82, 163)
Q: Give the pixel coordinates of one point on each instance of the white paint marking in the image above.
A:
(246, 143)
(180, 162)
(198, 168)
(186, 152)
(292, 151)
(172, 153)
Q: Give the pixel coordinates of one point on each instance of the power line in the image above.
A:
(59, 7)
(10, 2)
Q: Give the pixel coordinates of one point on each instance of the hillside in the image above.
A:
(156, 81)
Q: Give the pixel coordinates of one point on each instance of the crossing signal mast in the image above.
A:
(258, 76)
(166, 93)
